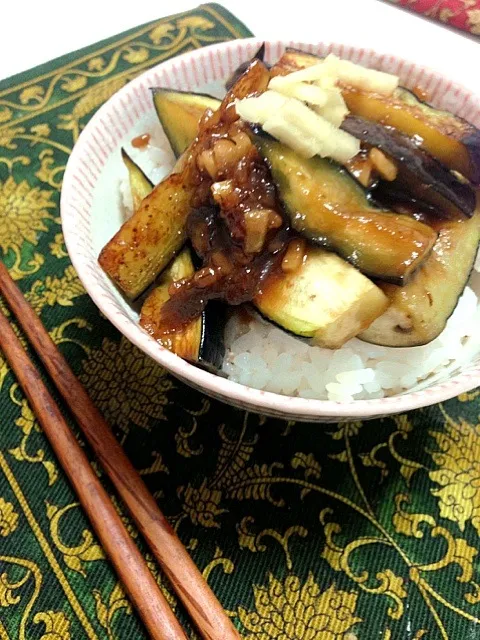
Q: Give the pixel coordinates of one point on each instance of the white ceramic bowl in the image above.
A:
(91, 212)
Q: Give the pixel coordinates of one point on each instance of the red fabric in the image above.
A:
(463, 14)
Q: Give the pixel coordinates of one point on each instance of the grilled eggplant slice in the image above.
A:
(448, 138)
(260, 55)
(326, 204)
(211, 350)
(140, 185)
(185, 342)
(418, 172)
(147, 242)
(325, 299)
(293, 60)
(419, 311)
(179, 113)
(201, 341)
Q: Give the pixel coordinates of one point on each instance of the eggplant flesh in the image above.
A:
(140, 185)
(179, 113)
(325, 204)
(185, 342)
(325, 299)
(448, 138)
(145, 244)
(419, 311)
(260, 55)
(201, 341)
(418, 172)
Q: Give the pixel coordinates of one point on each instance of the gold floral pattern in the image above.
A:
(106, 611)
(49, 172)
(57, 247)
(91, 100)
(160, 32)
(75, 83)
(96, 64)
(195, 23)
(256, 541)
(202, 504)
(7, 137)
(5, 114)
(23, 212)
(75, 556)
(8, 596)
(8, 518)
(32, 93)
(53, 290)
(22, 452)
(126, 385)
(57, 626)
(458, 474)
(292, 611)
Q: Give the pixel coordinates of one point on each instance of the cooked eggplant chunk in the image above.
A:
(201, 341)
(252, 82)
(453, 141)
(179, 113)
(260, 55)
(185, 342)
(293, 60)
(448, 138)
(418, 172)
(329, 207)
(325, 299)
(211, 351)
(140, 185)
(147, 242)
(419, 311)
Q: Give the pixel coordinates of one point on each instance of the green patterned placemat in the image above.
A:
(305, 532)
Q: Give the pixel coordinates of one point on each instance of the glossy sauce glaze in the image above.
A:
(141, 142)
(237, 228)
(421, 93)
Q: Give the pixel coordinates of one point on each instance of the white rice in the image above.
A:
(261, 355)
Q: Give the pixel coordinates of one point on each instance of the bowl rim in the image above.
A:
(212, 384)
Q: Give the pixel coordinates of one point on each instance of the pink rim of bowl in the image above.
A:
(116, 118)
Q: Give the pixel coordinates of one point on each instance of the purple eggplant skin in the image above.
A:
(260, 55)
(211, 348)
(419, 174)
(464, 132)
(449, 138)
(472, 143)
(211, 351)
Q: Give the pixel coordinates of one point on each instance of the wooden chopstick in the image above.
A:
(187, 581)
(122, 551)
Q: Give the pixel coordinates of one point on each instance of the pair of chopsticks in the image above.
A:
(185, 578)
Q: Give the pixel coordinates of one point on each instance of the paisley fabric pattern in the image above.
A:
(462, 14)
(305, 532)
